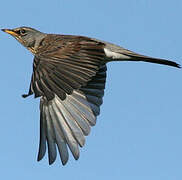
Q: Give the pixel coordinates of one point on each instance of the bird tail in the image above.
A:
(136, 57)
(117, 53)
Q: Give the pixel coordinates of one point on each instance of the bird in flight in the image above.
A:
(69, 75)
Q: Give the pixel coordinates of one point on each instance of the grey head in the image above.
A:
(28, 37)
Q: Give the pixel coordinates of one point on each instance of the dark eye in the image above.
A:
(21, 32)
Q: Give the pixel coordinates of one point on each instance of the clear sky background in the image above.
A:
(138, 135)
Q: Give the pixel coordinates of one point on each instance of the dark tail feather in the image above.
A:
(153, 60)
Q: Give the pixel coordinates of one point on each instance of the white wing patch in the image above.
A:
(115, 55)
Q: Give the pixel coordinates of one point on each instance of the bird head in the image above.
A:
(28, 37)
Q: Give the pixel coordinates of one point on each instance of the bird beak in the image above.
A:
(9, 31)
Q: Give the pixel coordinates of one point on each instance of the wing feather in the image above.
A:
(69, 76)
(63, 64)
(71, 120)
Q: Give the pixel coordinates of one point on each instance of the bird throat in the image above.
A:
(35, 45)
(32, 47)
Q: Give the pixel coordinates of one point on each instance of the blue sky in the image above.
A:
(139, 132)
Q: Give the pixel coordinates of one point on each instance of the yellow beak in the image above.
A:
(9, 31)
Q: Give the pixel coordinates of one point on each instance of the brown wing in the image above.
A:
(69, 74)
(66, 123)
(65, 63)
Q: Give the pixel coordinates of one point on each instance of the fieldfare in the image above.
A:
(69, 75)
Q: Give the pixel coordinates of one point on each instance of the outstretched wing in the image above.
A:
(69, 75)
(65, 63)
(67, 122)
